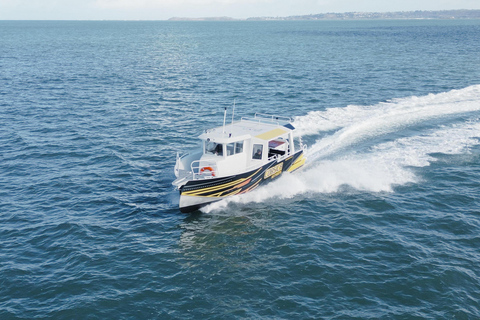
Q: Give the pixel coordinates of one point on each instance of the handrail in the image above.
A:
(272, 117)
(197, 167)
(267, 118)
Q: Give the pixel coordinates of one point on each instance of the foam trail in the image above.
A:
(335, 118)
(383, 165)
(362, 123)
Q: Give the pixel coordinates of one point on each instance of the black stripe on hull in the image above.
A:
(212, 190)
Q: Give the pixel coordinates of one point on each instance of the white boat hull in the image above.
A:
(198, 193)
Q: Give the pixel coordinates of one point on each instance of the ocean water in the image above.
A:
(382, 223)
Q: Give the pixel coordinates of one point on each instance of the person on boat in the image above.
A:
(219, 150)
(258, 154)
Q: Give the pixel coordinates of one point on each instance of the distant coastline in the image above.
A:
(398, 15)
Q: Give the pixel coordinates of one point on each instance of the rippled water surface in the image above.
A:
(382, 223)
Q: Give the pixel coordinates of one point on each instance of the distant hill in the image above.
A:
(444, 14)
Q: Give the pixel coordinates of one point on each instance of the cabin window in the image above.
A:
(238, 147)
(234, 148)
(230, 149)
(213, 148)
(257, 151)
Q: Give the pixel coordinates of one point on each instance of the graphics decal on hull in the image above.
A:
(198, 193)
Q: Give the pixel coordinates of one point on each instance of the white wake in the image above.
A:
(446, 123)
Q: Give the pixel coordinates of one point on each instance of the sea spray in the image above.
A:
(432, 104)
(367, 123)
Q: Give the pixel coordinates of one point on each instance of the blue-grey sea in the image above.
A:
(383, 222)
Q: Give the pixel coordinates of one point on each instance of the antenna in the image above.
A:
(224, 118)
(233, 112)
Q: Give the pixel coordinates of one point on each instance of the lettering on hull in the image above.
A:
(273, 171)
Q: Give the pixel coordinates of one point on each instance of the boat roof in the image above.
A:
(258, 127)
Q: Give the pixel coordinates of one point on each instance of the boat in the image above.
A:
(237, 158)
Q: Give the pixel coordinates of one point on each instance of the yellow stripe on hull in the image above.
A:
(234, 184)
(297, 164)
(221, 186)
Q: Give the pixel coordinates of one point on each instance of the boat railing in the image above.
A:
(268, 118)
(275, 156)
(303, 146)
(204, 169)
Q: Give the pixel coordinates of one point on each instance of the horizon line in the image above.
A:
(270, 18)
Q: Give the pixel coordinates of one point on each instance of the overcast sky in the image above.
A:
(165, 9)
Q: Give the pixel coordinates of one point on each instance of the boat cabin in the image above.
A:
(239, 147)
